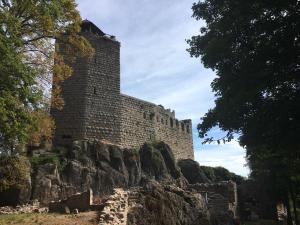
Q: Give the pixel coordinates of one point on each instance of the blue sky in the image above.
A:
(156, 67)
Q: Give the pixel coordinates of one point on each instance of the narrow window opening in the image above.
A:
(182, 127)
(152, 115)
(171, 122)
(66, 136)
(95, 91)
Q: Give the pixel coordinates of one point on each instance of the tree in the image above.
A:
(254, 48)
(14, 172)
(17, 97)
(28, 31)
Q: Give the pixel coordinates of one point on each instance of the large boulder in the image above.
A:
(157, 161)
(192, 171)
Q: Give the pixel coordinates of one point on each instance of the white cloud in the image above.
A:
(155, 65)
(231, 156)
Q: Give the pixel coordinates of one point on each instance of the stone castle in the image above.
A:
(96, 109)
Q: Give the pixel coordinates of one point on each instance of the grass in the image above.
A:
(85, 218)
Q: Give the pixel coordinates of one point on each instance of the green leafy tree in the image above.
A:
(28, 32)
(254, 48)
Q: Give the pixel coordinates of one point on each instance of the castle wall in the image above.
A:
(103, 90)
(91, 95)
(70, 121)
(143, 121)
(95, 108)
(136, 129)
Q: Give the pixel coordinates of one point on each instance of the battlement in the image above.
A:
(143, 121)
(96, 109)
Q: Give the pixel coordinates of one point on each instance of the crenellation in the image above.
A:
(95, 107)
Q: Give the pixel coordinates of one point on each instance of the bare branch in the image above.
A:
(36, 50)
(37, 38)
(6, 3)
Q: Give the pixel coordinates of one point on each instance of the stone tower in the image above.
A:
(92, 93)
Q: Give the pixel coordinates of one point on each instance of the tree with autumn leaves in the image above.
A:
(29, 30)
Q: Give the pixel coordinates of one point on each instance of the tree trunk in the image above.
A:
(288, 209)
(293, 202)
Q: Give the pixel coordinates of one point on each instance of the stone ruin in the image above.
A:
(220, 197)
(96, 109)
(78, 202)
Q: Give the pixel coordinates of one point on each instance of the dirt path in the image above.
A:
(115, 212)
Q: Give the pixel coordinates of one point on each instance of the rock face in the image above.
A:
(192, 171)
(102, 167)
(155, 190)
(156, 204)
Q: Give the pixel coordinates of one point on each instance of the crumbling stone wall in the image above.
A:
(95, 108)
(222, 196)
(144, 121)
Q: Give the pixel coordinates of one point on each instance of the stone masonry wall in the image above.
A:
(143, 121)
(91, 95)
(221, 196)
(103, 90)
(70, 122)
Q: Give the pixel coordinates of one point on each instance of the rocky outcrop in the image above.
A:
(103, 167)
(192, 171)
(154, 204)
(151, 187)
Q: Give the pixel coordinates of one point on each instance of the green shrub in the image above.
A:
(57, 158)
(14, 172)
(217, 174)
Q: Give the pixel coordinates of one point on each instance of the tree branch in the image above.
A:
(6, 3)
(36, 50)
(37, 38)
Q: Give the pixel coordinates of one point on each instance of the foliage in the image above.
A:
(28, 31)
(57, 157)
(17, 96)
(43, 129)
(217, 174)
(254, 48)
(14, 172)
(256, 65)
